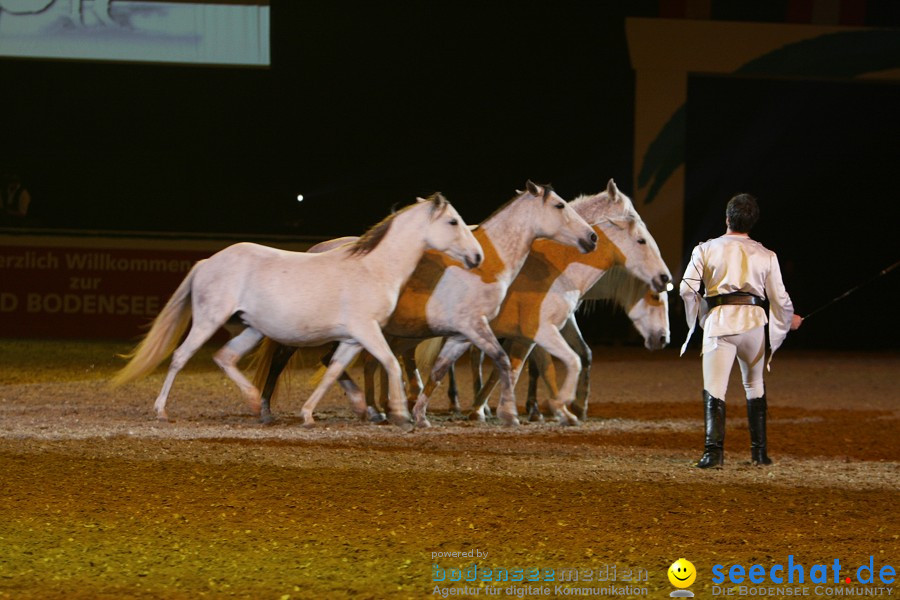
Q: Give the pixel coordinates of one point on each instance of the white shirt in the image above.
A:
(736, 263)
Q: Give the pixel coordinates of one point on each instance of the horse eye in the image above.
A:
(642, 241)
(454, 222)
(560, 206)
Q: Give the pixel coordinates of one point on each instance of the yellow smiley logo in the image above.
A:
(682, 573)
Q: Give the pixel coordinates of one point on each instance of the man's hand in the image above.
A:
(796, 322)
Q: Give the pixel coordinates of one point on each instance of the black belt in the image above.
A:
(744, 298)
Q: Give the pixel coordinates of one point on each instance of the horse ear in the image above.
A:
(612, 190)
(438, 202)
(533, 188)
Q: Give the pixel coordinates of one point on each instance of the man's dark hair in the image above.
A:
(742, 212)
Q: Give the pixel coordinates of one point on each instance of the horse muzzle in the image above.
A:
(661, 283)
(588, 244)
(473, 261)
(656, 342)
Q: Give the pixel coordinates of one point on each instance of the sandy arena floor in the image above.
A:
(99, 500)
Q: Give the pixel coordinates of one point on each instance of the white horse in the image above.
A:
(648, 311)
(441, 299)
(550, 286)
(302, 299)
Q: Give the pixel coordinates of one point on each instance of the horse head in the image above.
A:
(555, 219)
(614, 213)
(650, 315)
(647, 309)
(447, 232)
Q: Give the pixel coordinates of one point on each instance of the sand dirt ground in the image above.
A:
(99, 500)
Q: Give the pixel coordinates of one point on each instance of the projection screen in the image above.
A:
(222, 32)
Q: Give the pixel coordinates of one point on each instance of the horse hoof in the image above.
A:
(510, 420)
(309, 424)
(424, 423)
(163, 418)
(254, 403)
(401, 420)
(536, 418)
(374, 416)
(267, 419)
(568, 420)
(476, 416)
(406, 426)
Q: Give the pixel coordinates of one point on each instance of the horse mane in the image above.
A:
(617, 286)
(373, 236)
(548, 189)
(586, 201)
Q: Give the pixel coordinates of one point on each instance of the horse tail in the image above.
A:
(316, 378)
(427, 353)
(164, 334)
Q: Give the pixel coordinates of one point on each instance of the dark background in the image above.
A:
(821, 158)
(367, 105)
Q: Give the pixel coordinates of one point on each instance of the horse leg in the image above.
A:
(517, 353)
(531, 403)
(476, 363)
(372, 339)
(414, 384)
(373, 413)
(553, 342)
(227, 358)
(452, 390)
(480, 403)
(343, 355)
(545, 369)
(481, 409)
(201, 330)
(539, 366)
(453, 348)
(542, 366)
(280, 358)
(482, 336)
(573, 337)
(354, 394)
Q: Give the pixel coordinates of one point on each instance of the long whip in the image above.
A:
(881, 273)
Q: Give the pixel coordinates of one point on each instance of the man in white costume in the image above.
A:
(738, 275)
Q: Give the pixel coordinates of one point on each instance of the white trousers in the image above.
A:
(750, 349)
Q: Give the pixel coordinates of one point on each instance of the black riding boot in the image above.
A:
(714, 416)
(756, 417)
